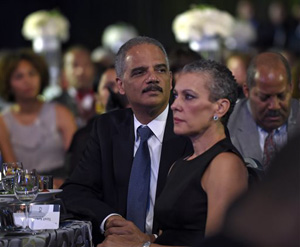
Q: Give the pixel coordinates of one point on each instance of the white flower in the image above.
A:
(115, 35)
(45, 23)
(195, 23)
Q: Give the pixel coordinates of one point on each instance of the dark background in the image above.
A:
(88, 18)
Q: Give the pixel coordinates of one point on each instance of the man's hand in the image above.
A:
(120, 226)
(111, 218)
(119, 241)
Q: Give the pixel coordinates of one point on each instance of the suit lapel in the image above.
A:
(123, 144)
(248, 135)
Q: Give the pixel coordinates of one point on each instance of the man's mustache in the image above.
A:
(273, 113)
(152, 87)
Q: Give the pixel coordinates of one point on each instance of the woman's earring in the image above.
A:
(215, 117)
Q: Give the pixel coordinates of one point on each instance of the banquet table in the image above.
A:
(71, 233)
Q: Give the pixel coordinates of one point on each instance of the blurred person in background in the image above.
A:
(34, 132)
(238, 64)
(294, 42)
(276, 31)
(3, 102)
(108, 98)
(294, 62)
(79, 75)
(245, 11)
(179, 57)
(261, 124)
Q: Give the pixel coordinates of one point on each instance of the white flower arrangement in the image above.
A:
(202, 21)
(115, 35)
(46, 23)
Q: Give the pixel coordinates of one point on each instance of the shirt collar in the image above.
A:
(157, 125)
(279, 130)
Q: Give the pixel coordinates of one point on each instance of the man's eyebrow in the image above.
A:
(160, 65)
(138, 68)
(268, 95)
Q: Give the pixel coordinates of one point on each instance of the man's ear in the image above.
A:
(291, 86)
(246, 90)
(223, 106)
(171, 80)
(120, 86)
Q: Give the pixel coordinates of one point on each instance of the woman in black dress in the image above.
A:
(200, 187)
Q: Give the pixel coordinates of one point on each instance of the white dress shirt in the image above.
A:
(157, 126)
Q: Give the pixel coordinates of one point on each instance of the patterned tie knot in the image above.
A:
(144, 132)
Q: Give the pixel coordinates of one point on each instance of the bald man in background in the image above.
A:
(261, 124)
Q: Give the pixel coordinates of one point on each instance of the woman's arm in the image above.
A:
(66, 124)
(5, 143)
(224, 180)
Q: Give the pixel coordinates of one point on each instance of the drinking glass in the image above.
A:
(26, 189)
(8, 173)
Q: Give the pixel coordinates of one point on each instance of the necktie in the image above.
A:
(139, 183)
(269, 150)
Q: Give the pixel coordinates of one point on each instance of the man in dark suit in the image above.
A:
(98, 187)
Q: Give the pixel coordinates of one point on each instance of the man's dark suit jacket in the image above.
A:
(98, 186)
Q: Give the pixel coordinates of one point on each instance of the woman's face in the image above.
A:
(192, 111)
(25, 81)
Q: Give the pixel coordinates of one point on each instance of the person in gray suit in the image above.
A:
(267, 111)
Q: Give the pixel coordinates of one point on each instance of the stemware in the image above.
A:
(26, 189)
(8, 173)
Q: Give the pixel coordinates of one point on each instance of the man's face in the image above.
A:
(270, 98)
(79, 69)
(147, 79)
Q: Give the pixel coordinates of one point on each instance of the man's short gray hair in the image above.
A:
(120, 57)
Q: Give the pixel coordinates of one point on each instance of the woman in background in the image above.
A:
(34, 132)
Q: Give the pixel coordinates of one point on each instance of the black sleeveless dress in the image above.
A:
(181, 208)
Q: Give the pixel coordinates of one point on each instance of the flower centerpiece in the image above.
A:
(47, 29)
(115, 35)
(203, 27)
(46, 23)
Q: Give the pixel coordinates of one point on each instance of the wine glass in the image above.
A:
(8, 173)
(26, 189)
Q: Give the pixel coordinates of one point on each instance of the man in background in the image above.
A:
(261, 124)
(78, 77)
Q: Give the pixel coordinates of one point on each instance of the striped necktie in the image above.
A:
(269, 150)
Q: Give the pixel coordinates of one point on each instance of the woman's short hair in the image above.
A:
(222, 84)
(10, 61)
